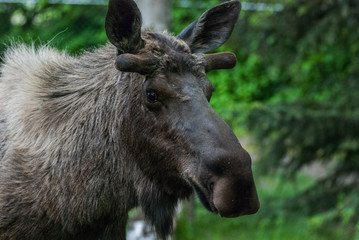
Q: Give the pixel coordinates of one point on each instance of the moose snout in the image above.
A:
(233, 198)
(231, 190)
(222, 173)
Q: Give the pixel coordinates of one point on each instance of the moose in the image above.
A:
(85, 139)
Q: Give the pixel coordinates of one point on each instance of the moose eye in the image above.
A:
(151, 96)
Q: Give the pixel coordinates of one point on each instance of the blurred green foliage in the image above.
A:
(312, 115)
(70, 27)
(295, 90)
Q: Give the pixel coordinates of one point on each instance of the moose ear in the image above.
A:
(123, 26)
(213, 28)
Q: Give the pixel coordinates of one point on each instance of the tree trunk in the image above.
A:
(156, 14)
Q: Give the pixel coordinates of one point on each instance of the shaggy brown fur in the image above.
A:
(67, 155)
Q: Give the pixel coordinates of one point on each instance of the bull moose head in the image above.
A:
(182, 143)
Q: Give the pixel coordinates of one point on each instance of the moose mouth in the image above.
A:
(203, 196)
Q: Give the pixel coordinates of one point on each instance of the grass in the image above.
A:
(271, 222)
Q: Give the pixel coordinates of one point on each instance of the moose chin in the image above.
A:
(85, 139)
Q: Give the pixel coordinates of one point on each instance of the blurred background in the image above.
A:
(293, 100)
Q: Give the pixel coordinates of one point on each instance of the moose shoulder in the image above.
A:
(85, 139)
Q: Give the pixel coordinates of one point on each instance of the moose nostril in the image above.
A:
(211, 185)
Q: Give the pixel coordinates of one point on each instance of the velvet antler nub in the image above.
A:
(142, 63)
(224, 60)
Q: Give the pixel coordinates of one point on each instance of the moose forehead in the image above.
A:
(182, 86)
(174, 55)
(178, 68)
